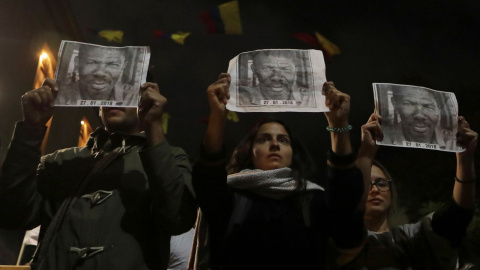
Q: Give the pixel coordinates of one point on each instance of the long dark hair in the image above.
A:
(302, 164)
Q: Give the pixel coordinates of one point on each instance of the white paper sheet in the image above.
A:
(417, 117)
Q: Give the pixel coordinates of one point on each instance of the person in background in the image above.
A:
(430, 243)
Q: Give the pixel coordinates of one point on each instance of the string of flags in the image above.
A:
(223, 19)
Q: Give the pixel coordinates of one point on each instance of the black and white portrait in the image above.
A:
(417, 117)
(282, 79)
(92, 75)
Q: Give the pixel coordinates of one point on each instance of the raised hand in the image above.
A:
(37, 104)
(466, 138)
(339, 105)
(218, 94)
(371, 132)
(150, 110)
(464, 188)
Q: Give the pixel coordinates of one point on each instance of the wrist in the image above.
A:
(343, 129)
(465, 158)
(367, 152)
(466, 181)
(154, 134)
(340, 160)
(218, 115)
(338, 124)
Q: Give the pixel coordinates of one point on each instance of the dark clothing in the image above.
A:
(274, 234)
(428, 244)
(122, 220)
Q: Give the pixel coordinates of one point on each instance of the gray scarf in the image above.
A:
(275, 184)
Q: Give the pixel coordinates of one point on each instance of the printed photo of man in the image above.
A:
(99, 71)
(274, 75)
(90, 72)
(419, 115)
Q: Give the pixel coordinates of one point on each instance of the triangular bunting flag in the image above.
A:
(223, 19)
(178, 37)
(112, 35)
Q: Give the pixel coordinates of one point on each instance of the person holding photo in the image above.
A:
(262, 211)
(112, 204)
(430, 243)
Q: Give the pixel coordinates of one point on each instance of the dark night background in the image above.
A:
(418, 42)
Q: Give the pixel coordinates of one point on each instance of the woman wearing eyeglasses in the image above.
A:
(429, 243)
(381, 199)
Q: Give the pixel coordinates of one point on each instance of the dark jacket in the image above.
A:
(274, 233)
(428, 244)
(122, 220)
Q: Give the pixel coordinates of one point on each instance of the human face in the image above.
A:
(378, 202)
(276, 73)
(99, 70)
(272, 148)
(120, 119)
(419, 115)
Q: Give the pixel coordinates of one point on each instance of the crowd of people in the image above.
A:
(117, 202)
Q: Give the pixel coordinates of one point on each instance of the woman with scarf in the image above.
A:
(262, 211)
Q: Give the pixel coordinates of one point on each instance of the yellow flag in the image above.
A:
(230, 14)
(165, 118)
(179, 37)
(231, 115)
(327, 45)
(112, 35)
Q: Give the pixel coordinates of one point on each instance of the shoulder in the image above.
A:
(168, 148)
(410, 230)
(66, 154)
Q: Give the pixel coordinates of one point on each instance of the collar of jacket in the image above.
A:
(101, 139)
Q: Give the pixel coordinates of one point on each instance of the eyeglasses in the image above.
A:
(382, 184)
